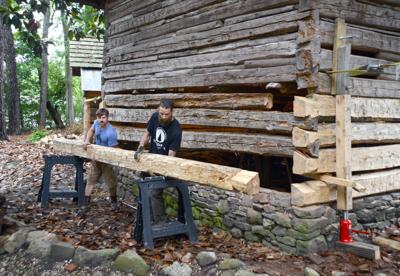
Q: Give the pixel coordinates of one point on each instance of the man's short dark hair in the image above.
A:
(102, 111)
(167, 103)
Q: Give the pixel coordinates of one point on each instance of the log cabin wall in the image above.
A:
(214, 58)
(373, 28)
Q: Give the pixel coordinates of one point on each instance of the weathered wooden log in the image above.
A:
(365, 108)
(200, 172)
(314, 192)
(365, 87)
(355, 62)
(385, 242)
(362, 39)
(361, 133)
(186, 79)
(275, 145)
(200, 16)
(363, 159)
(355, 12)
(224, 58)
(263, 101)
(271, 121)
(272, 25)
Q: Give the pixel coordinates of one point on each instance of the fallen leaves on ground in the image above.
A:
(100, 227)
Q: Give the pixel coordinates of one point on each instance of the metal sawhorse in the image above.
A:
(144, 230)
(45, 193)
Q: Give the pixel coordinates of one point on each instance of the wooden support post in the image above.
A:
(343, 115)
(86, 117)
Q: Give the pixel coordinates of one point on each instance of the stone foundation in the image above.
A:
(268, 217)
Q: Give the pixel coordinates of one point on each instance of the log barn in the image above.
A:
(252, 83)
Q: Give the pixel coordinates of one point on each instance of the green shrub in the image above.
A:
(37, 135)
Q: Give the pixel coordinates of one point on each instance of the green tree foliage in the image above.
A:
(28, 68)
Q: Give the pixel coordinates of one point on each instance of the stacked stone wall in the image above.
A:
(269, 218)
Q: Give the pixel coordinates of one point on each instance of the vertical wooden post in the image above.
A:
(86, 117)
(343, 114)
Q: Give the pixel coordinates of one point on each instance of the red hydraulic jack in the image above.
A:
(345, 229)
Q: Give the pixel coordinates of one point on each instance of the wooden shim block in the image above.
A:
(305, 107)
(315, 192)
(363, 159)
(272, 121)
(200, 172)
(363, 108)
(312, 192)
(361, 249)
(263, 101)
(390, 243)
(264, 144)
(187, 79)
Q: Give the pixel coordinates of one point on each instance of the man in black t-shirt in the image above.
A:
(165, 135)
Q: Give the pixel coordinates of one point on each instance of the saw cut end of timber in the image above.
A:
(251, 178)
(222, 177)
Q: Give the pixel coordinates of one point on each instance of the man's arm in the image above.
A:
(145, 139)
(143, 142)
(89, 138)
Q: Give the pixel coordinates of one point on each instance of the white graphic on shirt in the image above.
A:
(161, 136)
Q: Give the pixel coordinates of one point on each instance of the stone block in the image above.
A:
(228, 264)
(249, 236)
(268, 223)
(303, 236)
(262, 198)
(311, 246)
(254, 217)
(309, 225)
(60, 251)
(290, 241)
(223, 207)
(16, 240)
(84, 256)
(39, 248)
(365, 216)
(206, 258)
(309, 212)
(236, 233)
(279, 231)
(131, 262)
(176, 269)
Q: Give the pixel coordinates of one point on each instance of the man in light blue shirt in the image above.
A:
(105, 135)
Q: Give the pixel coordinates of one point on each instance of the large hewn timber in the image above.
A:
(362, 39)
(277, 145)
(263, 101)
(199, 172)
(364, 14)
(363, 108)
(361, 133)
(188, 79)
(364, 87)
(363, 159)
(271, 121)
(315, 191)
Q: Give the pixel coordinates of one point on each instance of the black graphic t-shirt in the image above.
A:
(164, 138)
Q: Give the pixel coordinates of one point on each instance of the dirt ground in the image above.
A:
(21, 166)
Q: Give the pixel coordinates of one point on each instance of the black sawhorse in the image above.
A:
(144, 230)
(45, 193)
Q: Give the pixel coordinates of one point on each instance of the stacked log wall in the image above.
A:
(373, 29)
(214, 58)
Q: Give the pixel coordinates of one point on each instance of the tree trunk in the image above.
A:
(14, 109)
(3, 135)
(55, 115)
(44, 70)
(68, 73)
